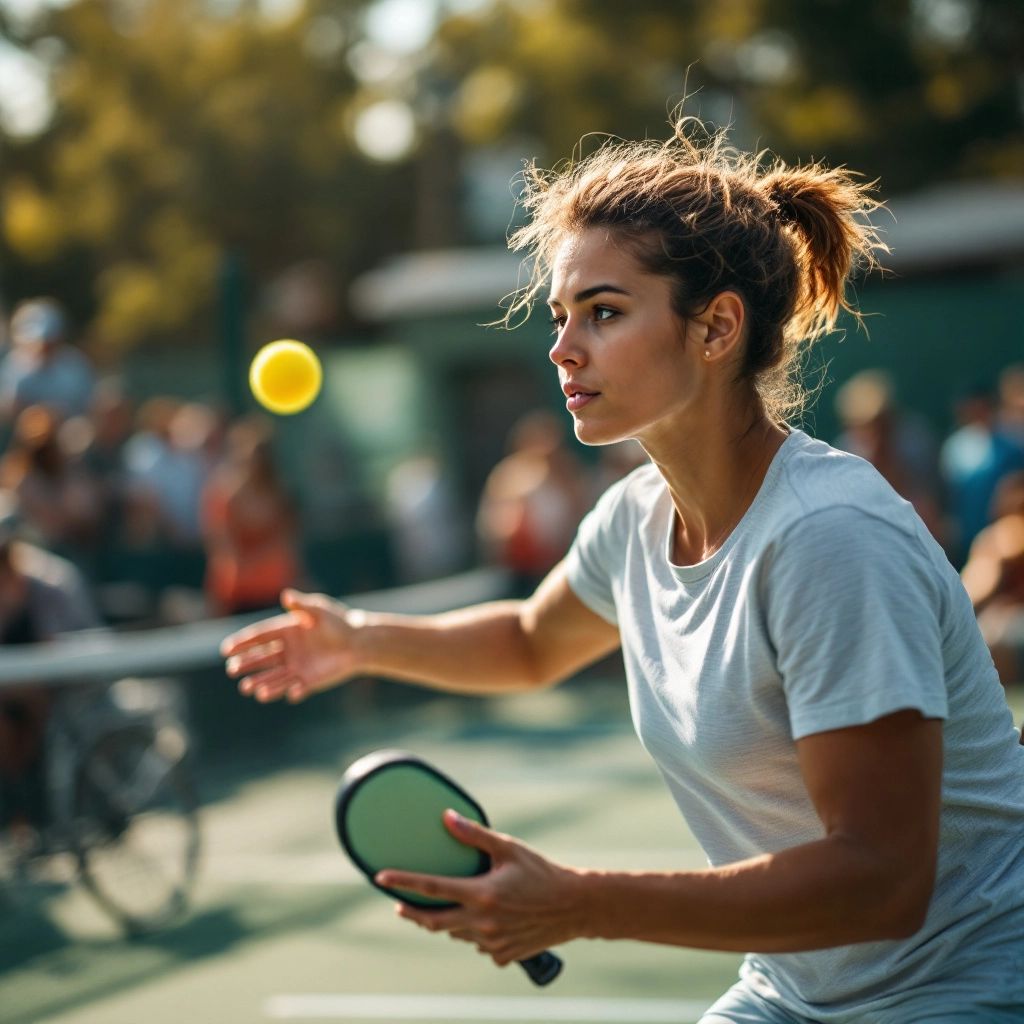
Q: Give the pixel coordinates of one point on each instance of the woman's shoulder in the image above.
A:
(815, 477)
(829, 505)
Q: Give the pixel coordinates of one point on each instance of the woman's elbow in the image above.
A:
(907, 908)
(908, 923)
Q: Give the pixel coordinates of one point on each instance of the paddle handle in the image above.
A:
(542, 968)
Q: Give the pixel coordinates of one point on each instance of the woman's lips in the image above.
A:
(578, 399)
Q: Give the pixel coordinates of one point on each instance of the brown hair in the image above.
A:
(785, 238)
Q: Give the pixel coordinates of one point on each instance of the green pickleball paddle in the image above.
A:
(388, 815)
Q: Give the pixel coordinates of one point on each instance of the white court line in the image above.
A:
(483, 1008)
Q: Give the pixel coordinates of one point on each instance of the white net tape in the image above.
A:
(106, 654)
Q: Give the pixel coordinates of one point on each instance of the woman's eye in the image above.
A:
(599, 314)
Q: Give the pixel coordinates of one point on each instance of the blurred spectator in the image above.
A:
(109, 426)
(167, 464)
(42, 367)
(426, 521)
(897, 443)
(974, 458)
(41, 597)
(190, 461)
(533, 500)
(145, 454)
(250, 525)
(59, 502)
(111, 416)
(994, 579)
(1011, 402)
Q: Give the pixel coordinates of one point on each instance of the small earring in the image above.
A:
(707, 354)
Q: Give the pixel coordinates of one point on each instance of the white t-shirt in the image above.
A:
(828, 606)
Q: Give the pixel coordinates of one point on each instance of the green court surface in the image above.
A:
(283, 929)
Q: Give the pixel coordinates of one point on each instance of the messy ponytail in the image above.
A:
(785, 238)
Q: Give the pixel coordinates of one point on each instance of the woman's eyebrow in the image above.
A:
(589, 293)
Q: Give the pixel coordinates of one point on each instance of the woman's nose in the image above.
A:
(565, 348)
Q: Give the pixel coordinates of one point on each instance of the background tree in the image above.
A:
(913, 91)
(183, 130)
(178, 135)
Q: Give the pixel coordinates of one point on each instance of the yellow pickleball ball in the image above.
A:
(285, 376)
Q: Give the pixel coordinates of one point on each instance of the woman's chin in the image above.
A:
(594, 436)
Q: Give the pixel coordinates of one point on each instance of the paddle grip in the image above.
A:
(542, 968)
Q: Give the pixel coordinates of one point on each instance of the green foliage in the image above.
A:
(910, 92)
(184, 129)
(179, 135)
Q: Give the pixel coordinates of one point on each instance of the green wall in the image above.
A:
(936, 336)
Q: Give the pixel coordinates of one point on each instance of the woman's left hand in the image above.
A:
(523, 905)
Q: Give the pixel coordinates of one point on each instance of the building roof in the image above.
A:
(952, 226)
(437, 282)
(956, 225)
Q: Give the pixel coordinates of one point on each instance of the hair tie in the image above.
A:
(782, 198)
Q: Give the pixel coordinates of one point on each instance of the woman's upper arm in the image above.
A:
(877, 787)
(564, 635)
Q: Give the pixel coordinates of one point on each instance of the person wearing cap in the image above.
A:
(42, 367)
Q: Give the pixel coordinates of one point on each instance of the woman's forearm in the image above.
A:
(831, 892)
(497, 647)
(480, 650)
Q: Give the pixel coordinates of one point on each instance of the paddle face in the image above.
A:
(388, 815)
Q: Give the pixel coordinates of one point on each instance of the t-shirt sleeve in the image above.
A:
(590, 563)
(853, 609)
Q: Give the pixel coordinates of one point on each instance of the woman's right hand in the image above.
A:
(307, 649)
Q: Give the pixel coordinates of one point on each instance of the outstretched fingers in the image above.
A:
(248, 661)
(269, 685)
(258, 635)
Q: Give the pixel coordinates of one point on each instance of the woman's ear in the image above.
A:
(724, 318)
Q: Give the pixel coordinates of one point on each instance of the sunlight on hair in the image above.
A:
(711, 218)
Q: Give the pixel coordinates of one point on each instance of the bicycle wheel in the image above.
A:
(136, 826)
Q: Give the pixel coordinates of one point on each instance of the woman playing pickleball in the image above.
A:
(803, 663)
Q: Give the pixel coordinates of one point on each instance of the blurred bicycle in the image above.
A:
(119, 802)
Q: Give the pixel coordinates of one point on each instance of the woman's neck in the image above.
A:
(713, 477)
